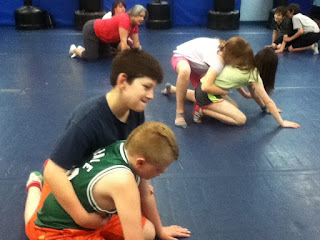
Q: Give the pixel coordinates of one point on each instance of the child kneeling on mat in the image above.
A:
(307, 35)
(282, 26)
(205, 58)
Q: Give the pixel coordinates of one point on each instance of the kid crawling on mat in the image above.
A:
(99, 35)
(260, 82)
(118, 7)
(205, 58)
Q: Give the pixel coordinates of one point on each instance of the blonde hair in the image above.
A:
(154, 141)
(238, 53)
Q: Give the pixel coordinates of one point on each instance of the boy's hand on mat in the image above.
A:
(169, 233)
(289, 124)
(93, 221)
(279, 51)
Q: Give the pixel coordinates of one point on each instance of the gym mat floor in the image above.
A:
(257, 181)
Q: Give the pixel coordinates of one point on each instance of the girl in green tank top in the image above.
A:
(260, 83)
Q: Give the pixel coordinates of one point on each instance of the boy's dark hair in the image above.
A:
(281, 10)
(135, 63)
(116, 3)
(293, 7)
(267, 64)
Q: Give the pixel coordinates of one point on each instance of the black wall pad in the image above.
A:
(90, 5)
(159, 15)
(30, 18)
(315, 12)
(81, 17)
(28, 2)
(224, 5)
(277, 3)
(223, 20)
(271, 18)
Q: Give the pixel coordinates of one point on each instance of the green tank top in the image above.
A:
(103, 161)
(231, 78)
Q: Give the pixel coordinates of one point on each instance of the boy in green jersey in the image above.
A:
(113, 182)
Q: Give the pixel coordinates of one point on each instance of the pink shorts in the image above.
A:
(194, 77)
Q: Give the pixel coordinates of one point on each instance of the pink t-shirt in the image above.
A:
(107, 30)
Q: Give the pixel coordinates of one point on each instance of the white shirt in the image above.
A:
(301, 21)
(202, 54)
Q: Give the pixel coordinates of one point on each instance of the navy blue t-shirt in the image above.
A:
(91, 126)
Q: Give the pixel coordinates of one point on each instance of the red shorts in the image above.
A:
(111, 231)
(194, 77)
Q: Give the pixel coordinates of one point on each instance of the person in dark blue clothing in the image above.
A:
(102, 121)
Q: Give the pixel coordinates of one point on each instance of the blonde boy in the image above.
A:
(114, 182)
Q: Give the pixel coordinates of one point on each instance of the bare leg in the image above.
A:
(34, 185)
(183, 80)
(32, 202)
(230, 100)
(226, 112)
(149, 231)
(191, 97)
(291, 49)
(173, 90)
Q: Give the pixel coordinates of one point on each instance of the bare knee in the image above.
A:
(183, 69)
(184, 74)
(149, 231)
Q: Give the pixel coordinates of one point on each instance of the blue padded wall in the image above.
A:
(186, 12)
(183, 12)
(7, 11)
(305, 5)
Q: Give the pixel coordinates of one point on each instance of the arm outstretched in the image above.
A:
(263, 100)
(149, 209)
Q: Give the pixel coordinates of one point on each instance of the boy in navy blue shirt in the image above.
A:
(99, 122)
(282, 26)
